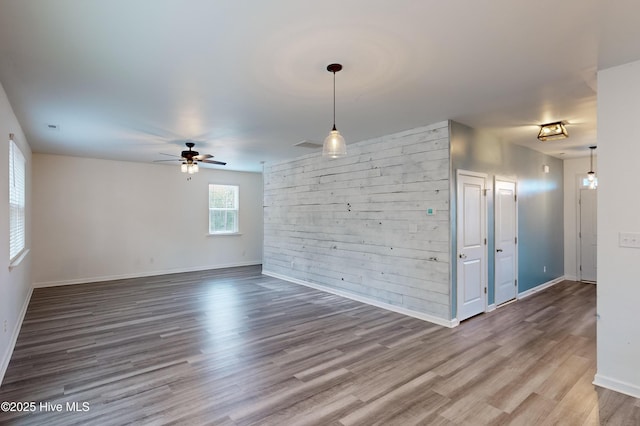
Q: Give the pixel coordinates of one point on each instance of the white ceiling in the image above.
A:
(246, 80)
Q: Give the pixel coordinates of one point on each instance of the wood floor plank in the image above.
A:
(234, 347)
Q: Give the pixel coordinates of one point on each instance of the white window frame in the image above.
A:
(17, 201)
(235, 209)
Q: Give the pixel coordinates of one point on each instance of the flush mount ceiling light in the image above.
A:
(553, 131)
(334, 145)
(591, 175)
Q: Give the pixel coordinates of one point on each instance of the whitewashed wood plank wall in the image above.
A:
(359, 224)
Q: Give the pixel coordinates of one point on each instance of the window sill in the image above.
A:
(225, 234)
(18, 259)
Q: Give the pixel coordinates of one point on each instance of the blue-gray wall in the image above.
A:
(540, 203)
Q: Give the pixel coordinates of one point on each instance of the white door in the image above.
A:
(471, 259)
(587, 235)
(506, 229)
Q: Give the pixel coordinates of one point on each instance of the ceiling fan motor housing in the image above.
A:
(188, 155)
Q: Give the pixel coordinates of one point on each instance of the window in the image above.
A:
(16, 201)
(223, 209)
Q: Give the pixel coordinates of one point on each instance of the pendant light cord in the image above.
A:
(592, 148)
(334, 100)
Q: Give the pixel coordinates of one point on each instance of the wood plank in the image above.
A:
(234, 347)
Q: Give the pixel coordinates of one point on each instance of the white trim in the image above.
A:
(514, 181)
(485, 230)
(474, 174)
(14, 336)
(571, 278)
(18, 259)
(579, 226)
(224, 234)
(491, 308)
(363, 299)
(508, 302)
(142, 274)
(541, 287)
(617, 385)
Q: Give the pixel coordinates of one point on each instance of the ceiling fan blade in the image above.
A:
(203, 157)
(170, 155)
(220, 163)
(161, 161)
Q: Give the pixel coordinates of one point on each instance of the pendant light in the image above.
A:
(334, 145)
(591, 175)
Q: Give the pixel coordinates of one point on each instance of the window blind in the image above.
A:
(16, 201)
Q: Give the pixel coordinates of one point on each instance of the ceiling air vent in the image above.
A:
(55, 127)
(308, 144)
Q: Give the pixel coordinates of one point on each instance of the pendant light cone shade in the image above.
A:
(334, 145)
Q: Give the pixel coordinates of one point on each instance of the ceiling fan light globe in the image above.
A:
(195, 167)
(183, 167)
(591, 176)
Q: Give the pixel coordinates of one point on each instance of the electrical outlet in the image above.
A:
(544, 269)
(629, 239)
(5, 326)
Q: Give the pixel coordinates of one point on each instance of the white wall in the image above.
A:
(358, 225)
(15, 283)
(99, 219)
(573, 169)
(618, 328)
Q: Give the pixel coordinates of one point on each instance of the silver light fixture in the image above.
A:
(591, 175)
(334, 145)
(553, 131)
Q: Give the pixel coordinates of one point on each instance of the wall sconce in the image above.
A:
(553, 131)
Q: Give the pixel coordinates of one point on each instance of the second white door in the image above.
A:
(505, 241)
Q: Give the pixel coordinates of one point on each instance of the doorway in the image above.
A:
(587, 234)
(471, 244)
(506, 240)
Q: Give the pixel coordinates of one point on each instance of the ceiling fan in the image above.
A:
(191, 158)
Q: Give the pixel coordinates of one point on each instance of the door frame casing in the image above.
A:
(579, 186)
(484, 223)
(514, 180)
(579, 236)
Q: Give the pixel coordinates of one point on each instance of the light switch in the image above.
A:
(629, 239)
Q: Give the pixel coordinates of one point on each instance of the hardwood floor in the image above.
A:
(233, 347)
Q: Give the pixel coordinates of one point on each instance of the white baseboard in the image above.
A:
(363, 299)
(491, 308)
(541, 287)
(142, 274)
(571, 278)
(14, 336)
(617, 385)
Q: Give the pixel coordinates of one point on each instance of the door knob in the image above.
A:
(499, 250)
(462, 256)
